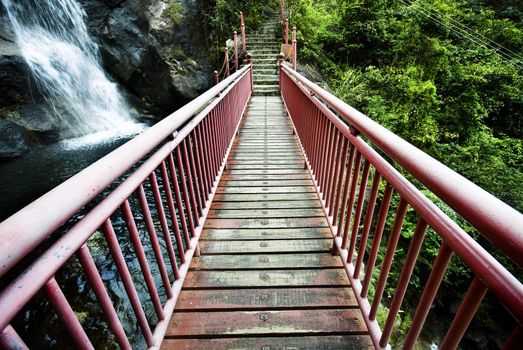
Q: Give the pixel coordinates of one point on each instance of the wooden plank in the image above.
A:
(266, 223)
(265, 166)
(229, 197)
(262, 246)
(265, 234)
(193, 324)
(262, 213)
(266, 177)
(269, 278)
(345, 342)
(266, 161)
(282, 155)
(275, 182)
(302, 204)
(269, 261)
(262, 189)
(265, 171)
(251, 299)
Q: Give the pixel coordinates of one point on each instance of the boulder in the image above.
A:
(13, 140)
(15, 87)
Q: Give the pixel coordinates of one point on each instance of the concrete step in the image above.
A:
(271, 72)
(265, 82)
(265, 54)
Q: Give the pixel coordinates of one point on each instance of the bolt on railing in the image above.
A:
(343, 166)
(162, 203)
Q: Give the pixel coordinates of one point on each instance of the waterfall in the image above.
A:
(65, 62)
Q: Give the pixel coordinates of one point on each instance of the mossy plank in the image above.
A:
(308, 322)
(266, 261)
(243, 299)
(262, 246)
(345, 342)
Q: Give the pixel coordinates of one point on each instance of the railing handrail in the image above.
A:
(321, 121)
(493, 218)
(27, 228)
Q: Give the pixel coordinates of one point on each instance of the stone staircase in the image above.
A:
(264, 48)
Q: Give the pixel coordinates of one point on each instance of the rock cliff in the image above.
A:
(154, 49)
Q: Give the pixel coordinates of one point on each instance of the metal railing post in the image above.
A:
(235, 36)
(281, 10)
(215, 77)
(227, 68)
(242, 26)
(281, 59)
(286, 32)
(249, 60)
(294, 49)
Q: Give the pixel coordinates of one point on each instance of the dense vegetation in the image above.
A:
(446, 76)
(222, 17)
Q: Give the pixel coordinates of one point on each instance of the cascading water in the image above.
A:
(64, 60)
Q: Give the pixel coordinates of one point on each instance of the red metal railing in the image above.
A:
(343, 164)
(180, 160)
(235, 59)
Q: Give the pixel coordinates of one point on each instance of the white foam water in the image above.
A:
(64, 60)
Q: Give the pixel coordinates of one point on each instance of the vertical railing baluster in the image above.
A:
(65, 312)
(140, 255)
(9, 339)
(346, 188)
(294, 49)
(242, 26)
(359, 207)
(389, 256)
(335, 178)
(204, 159)
(235, 38)
(368, 221)
(286, 32)
(209, 150)
(149, 224)
(174, 223)
(183, 181)
(179, 203)
(340, 172)
(406, 273)
(330, 162)
(429, 293)
(127, 280)
(226, 61)
(200, 168)
(346, 220)
(189, 147)
(466, 311)
(378, 233)
(95, 280)
(324, 151)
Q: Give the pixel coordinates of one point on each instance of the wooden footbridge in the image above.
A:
(248, 221)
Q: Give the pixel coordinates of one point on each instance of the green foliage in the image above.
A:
(457, 100)
(220, 18)
(175, 11)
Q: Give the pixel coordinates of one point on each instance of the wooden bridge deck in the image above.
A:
(266, 278)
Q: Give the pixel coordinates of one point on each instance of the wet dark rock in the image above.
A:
(155, 57)
(37, 120)
(15, 87)
(13, 140)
